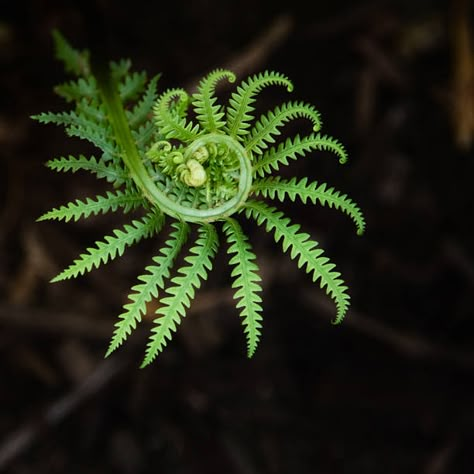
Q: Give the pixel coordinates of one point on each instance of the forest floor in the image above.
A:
(388, 391)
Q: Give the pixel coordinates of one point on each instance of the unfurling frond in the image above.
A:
(304, 249)
(113, 246)
(208, 113)
(170, 123)
(267, 126)
(240, 109)
(151, 283)
(246, 283)
(273, 158)
(195, 160)
(321, 193)
(173, 307)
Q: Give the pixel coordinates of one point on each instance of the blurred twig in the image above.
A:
(409, 345)
(463, 76)
(19, 441)
(255, 54)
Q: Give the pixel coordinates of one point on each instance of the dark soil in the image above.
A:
(389, 391)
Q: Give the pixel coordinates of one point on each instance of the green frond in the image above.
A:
(113, 245)
(246, 282)
(173, 307)
(100, 205)
(132, 85)
(84, 87)
(101, 137)
(292, 189)
(268, 125)
(109, 171)
(92, 110)
(144, 107)
(305, 250)
(72, 121)
(120, 69)
(75, 62)
(239, 110)
(273, 158)
(208, 113)
(144, 136)
(171, 123)
(151, 283)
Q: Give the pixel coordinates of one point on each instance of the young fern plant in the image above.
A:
(191, 161)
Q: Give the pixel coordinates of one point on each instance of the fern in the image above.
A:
(268, 125)
(303, 248)
(113, 246)
(132, 86)
(292, 148)
(239, 112)
(205, 174)
(78, 90)
(113, 173)
(246, 280)
(152, 282)
(75, 62)
(182, 292)
(281, 189)
(101, 205)
(144, 107)
(208, 112)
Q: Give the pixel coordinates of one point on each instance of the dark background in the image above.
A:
(388, 391)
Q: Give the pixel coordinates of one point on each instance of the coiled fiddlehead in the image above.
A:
(198, 162)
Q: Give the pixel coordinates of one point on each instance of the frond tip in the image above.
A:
(151, 283)
(112, 246)
(173, 307)
(303, 249)
(246, 283)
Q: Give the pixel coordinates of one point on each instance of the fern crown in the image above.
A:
(185, 161)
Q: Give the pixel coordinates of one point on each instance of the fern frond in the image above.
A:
(152, 282)
(101, 137)
(199, 263)
(171, 123)
(246, 282)
(120, 69)
(72, 121)
(305, 250)
(111, 172)
(239, 110)
(92, 110)
(281, 189)
(76, 62)
(208, 113)
(268, 124)
(113, 245)
(84, 87)
(273, 158)
(100, 205)
(144, 136)
(144, 107)
(132, 86)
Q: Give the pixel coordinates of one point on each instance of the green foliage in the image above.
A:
(180, 159)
